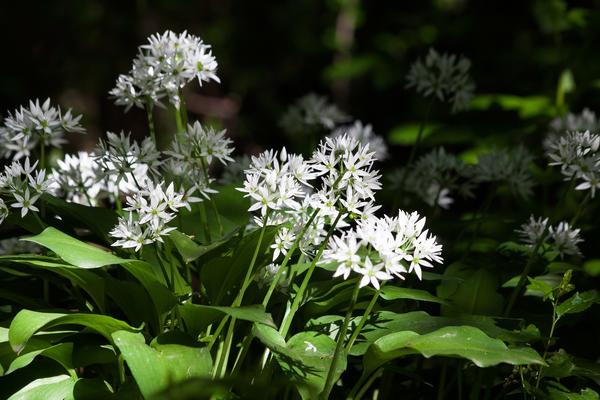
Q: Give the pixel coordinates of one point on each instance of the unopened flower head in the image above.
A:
(38, 124)
(163, 66)
(445, 76)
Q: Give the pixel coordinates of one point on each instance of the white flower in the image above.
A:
(365, 135)
(534, 231)
(283, 242)
(26, 127)
(25, 202)
(372, 274)
(445, 76)
(163, 66)
(565, 239)
(309, 113)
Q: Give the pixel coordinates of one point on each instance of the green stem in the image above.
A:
(523, 279)
(289, 254)
(547, 346)
(179, 122)
(223, 361)
(580, 209)
(150, 116)
(285, 326)
(363, 320)
(205, 227)
(212, 200)
(329, 382)
(183, 107)
(415, 148)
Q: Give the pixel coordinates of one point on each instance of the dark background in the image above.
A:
(272, 52)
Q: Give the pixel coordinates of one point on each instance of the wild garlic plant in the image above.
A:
(296, 271)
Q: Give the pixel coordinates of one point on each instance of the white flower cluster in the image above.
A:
(445, 76)
(162, 67)
(380, 249)
(561, 238)
(365, 135)
(123, 159)
(192, 153)
(435, 177)
(579, 159)
(559, 126)
(510, 166)
(25, 187)
(39, 124)
(76, 179)
(150, 211)
(311, 114)
(338, 180)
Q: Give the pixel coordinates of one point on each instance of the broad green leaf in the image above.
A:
(475, 294)
(188, 249)
(577, 303)
(222, 276)
(161, 296)
(383, 323)
(592, 267)
(86, 280)
(27, 323)
(306, 356)
(99, 220)
(452, 341)
(198, 317)
(154, 369)
(62, 353)
(74, 251)
(527, 107)
(389, 292)
(55, 387)
(316, 351)
(406, 134)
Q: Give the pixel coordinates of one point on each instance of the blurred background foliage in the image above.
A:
(270, 53)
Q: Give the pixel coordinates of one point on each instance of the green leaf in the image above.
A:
(27, 323)
(592, 267)
(189, 249)
(407, 134)
(74, 251)
(475, 293)
(577, 303)
(222, 276)
(87, 280)
(526, 107)
(62, 353)
(55, 387)
(198, 317)
(389, 292)
(316, 351)
(154, 369)
(383, 323)
(307, 357)
(99, 220)
(452, 341)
